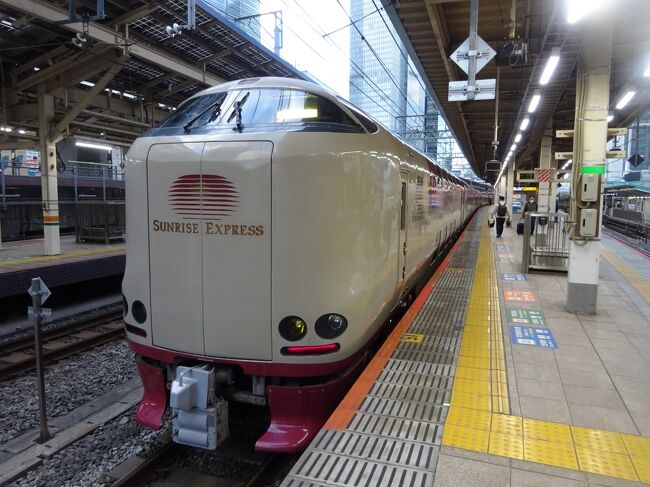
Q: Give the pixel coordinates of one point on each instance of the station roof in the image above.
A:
(153, 71)
(434, 29)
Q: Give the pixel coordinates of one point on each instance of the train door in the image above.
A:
(403, 228)
(173, 193)
(236, 247)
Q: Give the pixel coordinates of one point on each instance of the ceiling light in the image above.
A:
(87, 83)
(567, 163)
(610, 117)
(128, 95)
(36, 68)
(534, 102)
(513, 147)
(518, 137)
(551, 64)
(93, 146)
(6, 129)
(524, 124)
(21, 131)
(625, 99)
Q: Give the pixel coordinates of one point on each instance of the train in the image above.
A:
(273, 228)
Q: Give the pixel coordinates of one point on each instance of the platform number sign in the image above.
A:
(507, 276)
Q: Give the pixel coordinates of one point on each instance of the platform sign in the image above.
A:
(504, 248)
(507, 256)
(506, 276)
(526, 317)
(504, 260)
(521, 296)
(531, 336)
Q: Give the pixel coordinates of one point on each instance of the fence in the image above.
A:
(545, 242)
(87, 220)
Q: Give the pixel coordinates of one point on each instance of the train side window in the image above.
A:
(369, 125)
(314, 111)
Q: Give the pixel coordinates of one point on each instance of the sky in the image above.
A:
(304, 46)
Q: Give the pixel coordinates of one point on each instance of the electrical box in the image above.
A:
(589, 188)
(588, 223)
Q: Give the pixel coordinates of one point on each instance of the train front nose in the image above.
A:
(210, 248)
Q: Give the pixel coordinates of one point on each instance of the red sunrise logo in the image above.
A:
(203, 197)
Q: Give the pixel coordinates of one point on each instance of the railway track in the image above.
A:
(161, 466)
(17, 354)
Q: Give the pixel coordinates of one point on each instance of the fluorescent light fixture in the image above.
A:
(513, 147)
(567, 163)
(36, 68)
(129, 95)
(610, 117)
(162, 105)
(21, 131)
(296, 114)
(87, 83)
(534, 102)
(518, 137)
(90, 145)
(6, 22)
(524, 124)
(6, 129)
(551, 64)
(625, 99)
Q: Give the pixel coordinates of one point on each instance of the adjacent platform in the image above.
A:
(488, 381)
(23, 260)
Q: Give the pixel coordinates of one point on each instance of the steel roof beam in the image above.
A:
(51, 13)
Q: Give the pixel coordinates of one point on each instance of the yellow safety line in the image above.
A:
(46, 258)
(637, 280)
(479, 419)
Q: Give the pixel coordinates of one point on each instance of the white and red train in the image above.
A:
(272, 230)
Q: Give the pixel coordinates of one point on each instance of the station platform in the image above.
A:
(22, 260)
(488, 381)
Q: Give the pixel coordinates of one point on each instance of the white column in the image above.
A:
(510, 186)
(543, 190)
(589, 149)
(502, 187)
(49, 183)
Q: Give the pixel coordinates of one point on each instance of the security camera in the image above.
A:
(79, 39)
(174, 29)
(170, 31)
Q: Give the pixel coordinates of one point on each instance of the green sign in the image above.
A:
(526, 317)
(592, 170)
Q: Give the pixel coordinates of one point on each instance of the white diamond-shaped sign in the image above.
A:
(45, 292)
(484, 54)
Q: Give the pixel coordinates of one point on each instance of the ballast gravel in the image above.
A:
(68, 384)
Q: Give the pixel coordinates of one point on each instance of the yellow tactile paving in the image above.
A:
(65, 255)
(598, 440)
(639, 282)
(479, 418)
(548, 453)
(506, 445)
(606, 463)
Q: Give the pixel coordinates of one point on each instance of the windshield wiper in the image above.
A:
(216, 107)
(236, 112)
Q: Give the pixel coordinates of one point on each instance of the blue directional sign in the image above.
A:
(506, 276)
(531, 336)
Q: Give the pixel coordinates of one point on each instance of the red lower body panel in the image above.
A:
(154, 400)
(298, 413)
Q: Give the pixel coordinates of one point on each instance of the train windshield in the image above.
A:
(262, 109)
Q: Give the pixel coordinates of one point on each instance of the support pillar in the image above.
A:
(510, 186)
(544, 188)
(502, 187)
(49, 183)
(589, 149)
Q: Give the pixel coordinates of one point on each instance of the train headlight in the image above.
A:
(139, 311)
(293, 328)
(331, 325)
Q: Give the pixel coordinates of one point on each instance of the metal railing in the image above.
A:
(545, 243)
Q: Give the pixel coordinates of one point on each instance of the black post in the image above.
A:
(35, 291)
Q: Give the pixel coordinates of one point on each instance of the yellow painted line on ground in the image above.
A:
(66, 255)
(637, 280)
(479, 419)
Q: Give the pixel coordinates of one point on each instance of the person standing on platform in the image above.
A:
(530, 207)
(501, 213)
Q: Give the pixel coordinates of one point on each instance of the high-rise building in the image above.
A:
(377, 92)
(238, 10)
